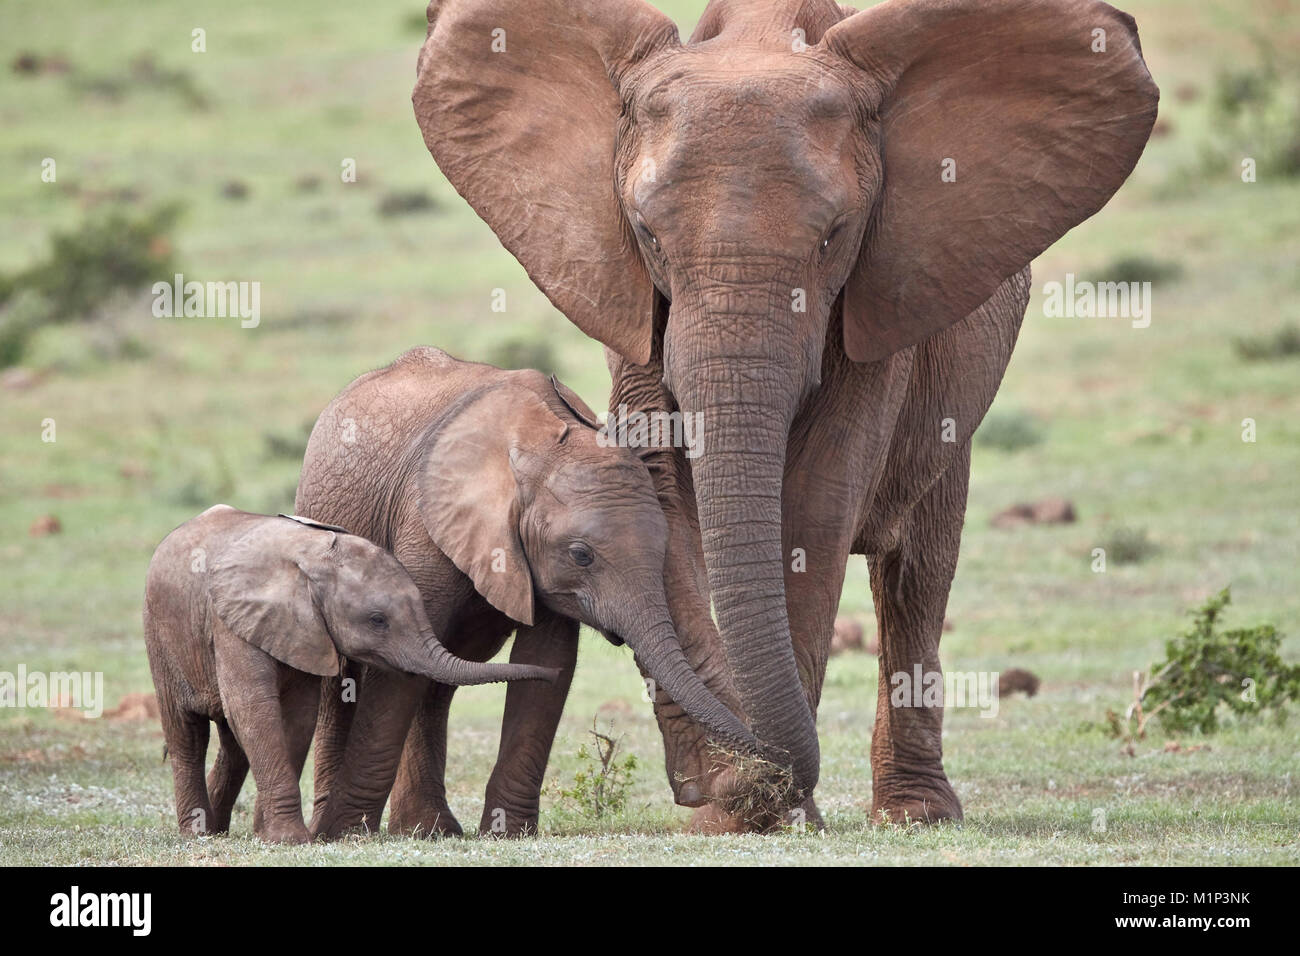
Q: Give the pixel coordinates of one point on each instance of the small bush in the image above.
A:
(1206, 669)
(201, 487)
(602, 782)
(1255, 112)
(406, 203)
(1127, 545)
(288, 444)
(1284, 343)
(1140, 268)
(1009, 431)
(525, 353)
(21, 316)
(416, 21)
(143, 74)
(108, 255)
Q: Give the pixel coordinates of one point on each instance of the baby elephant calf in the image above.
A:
(243, 615)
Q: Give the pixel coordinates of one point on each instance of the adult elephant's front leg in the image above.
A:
(386, 703)
(533, 709)
(419, 800)
(333, 723)
(910, 585)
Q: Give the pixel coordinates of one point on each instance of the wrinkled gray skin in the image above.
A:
(243, 615)
(756, 222)
(492, 490)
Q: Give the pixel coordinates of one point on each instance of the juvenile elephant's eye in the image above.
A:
(378, 621)
(581, 555)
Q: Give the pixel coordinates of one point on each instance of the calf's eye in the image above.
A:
(378, 621)
(581, 555)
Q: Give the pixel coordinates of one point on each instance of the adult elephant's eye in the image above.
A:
(830, 240)
(377, 621)
(581, 554)
(646, 234)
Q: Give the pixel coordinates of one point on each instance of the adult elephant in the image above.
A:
(813, 227)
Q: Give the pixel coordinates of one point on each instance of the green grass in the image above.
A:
(1139, 427)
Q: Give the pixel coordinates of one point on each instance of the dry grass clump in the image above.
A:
(762, 790)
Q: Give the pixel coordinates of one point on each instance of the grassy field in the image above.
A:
(158, 418)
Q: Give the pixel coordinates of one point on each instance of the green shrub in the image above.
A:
(406, 203)
(1140, 268)
(1255, 112)
(107, 253)
(525, 353)
(1128, 545)
(1284, 343)
(290, 444)
(1206, 669)
(1009, 431)
(602, 782)
(106, 256)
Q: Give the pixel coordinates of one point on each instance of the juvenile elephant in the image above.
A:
(243, 614)
(811, 226)
(492, 489)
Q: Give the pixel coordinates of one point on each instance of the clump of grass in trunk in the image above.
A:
(763, 791)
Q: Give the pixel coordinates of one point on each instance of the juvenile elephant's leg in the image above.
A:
(910, 586)
(533, 710)
(226, 778)
(419, 803)
(386, 703)
(187, 747)
(299, 702)
(250, 683)
(333, 722)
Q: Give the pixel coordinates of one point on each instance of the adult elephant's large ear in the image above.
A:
(470, 499)
(519, 107)
(1038, 108)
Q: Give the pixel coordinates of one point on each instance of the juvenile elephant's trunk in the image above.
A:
(437, 663)
(659, 652)
(747, 398)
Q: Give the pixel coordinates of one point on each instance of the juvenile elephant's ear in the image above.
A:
(574, 403)
(261, 589)
(1036, 109)
(469, 491)
(518, 106)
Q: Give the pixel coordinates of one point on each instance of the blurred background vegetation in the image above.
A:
(225, 165)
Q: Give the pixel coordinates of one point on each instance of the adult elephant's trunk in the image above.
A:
(747, 398)
(655, 643)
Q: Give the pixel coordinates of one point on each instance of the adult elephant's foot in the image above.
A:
(425, 823)
(500, 822)
(711, 819)
(903, 800)
(284, 831)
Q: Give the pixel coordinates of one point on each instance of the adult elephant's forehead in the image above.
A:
(791, 124)
(806, 85)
